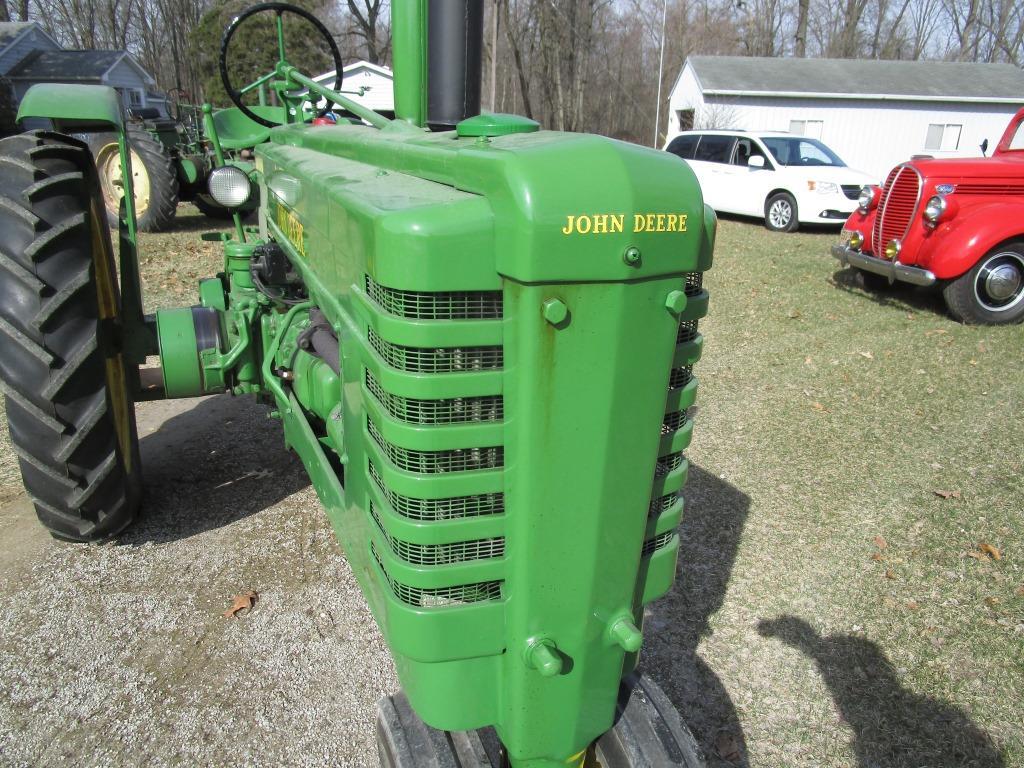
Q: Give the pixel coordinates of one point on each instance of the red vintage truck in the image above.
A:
(954, 223)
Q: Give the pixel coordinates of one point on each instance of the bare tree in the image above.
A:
(369, 24)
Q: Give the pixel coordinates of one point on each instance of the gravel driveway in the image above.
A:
(120, 654)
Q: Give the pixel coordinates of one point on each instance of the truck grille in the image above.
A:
(436, 305)
(431, 510)
(420, 597)
(896, 209)
(441, 360)
(852, 191)
(454, 410)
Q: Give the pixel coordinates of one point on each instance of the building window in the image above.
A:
(131, 97)
(943, 137)
(685, 117)
(809, 128)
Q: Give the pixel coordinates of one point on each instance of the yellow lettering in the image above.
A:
(567, 229)
(601, 224)
(580, 221)
(650, 222)
(672, 219)
(617, 221)
(661, 223)
(638, 222)
(682, 222)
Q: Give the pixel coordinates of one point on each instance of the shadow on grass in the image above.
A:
(893, 727)
(901, 296)
(710, 534)
(211, 465)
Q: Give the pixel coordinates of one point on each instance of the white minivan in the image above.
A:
(784, 178)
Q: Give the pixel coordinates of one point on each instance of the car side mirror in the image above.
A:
(984, 147)
(755, 161)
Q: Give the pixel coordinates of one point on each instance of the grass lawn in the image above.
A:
(851, 583)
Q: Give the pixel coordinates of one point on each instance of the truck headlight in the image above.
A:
(934, 208)
(868, 198)
(823, 187)
(892, 249)
(856, 240)
(229, 186)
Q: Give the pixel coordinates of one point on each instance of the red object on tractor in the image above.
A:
(956, 223)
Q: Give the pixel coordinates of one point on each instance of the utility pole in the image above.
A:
(494, 56)
(661, 70)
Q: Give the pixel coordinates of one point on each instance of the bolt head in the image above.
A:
(555, 311)
(632, 256)
(675, 302)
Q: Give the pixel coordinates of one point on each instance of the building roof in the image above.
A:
(12, 30)
(84, 66)
(859, 79)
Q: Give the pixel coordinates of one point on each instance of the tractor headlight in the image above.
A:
(229, 186)
(868, 198)
(934, 209)
(892, 249)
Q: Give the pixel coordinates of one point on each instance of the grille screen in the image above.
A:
(458, 305)
(440, 597)
(662, 504)
(451, 411)
(680, 377)
(673, 422)
(452, 508)
(658, 542)
(438, 462)
(442, 554)
(687, 331)
(896, 207)
(441, 360)
(694, 283)
(668, 464)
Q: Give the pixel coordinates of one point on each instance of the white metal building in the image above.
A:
(377, 82)
(874, 114)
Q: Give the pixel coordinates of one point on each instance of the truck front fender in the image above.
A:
(74, 108)
(955, 246)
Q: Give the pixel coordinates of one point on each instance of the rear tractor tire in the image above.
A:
(154, 178)
(992, 292)
(69, 411)
(648, 733)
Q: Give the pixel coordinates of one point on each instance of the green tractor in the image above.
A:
(479, 338)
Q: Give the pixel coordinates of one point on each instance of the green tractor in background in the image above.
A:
(479, 337)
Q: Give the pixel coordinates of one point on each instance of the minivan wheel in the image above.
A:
(992, 292)
(780, 213)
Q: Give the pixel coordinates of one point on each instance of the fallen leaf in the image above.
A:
(991, 551)
(242, 602)
(808, 361)
(935, 332)
(890, 574)
(912, 605)
(794, 314)
(877, 557)
(819, 407)
(1020, 591)
(880, 542)
(976, 555)
(947, 494)
(867, 355)
(993, 601)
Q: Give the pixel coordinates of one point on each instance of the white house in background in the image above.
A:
(378, 82)
(874, 114)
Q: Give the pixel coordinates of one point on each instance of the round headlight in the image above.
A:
(868, 198)
(856, 240)
(229, 186)
(892, 250)
(934, 208)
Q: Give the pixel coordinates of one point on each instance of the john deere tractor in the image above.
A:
(479, 337)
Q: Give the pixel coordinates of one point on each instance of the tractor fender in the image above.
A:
(74, 108)
(955, 246)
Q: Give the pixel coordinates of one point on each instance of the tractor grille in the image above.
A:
(662, 504)
(687, 331)
(673, 422)
(441, 554)
(455, 410)
(420, 597)
(444, 305)
(438, 462)
(667, 464)
(442, 360)
(680, 377)
(452, 508)
(658, 542)
(694, 283)
(897, 206)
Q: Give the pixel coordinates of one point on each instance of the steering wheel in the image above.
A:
(278, 9)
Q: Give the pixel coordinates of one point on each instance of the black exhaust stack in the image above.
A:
(455, 31)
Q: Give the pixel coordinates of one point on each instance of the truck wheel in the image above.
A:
(153, 177)
(780, 213)
(647, 732)
(70, 414)
(992, 292)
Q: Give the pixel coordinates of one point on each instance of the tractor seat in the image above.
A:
(236, 131)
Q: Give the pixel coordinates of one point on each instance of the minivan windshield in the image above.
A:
(799, 150)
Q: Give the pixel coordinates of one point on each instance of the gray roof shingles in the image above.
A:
(939, 80)
(10, 30)
(65, 65)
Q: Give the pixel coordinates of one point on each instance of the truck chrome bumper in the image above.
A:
(892, 270)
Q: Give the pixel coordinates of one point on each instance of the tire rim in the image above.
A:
(999, 285)
(780, 214)
(108, 164)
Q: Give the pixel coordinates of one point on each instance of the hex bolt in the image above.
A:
(632, 256)
(541, 656)
(555, 311)
(675, 302)
(624, 632)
